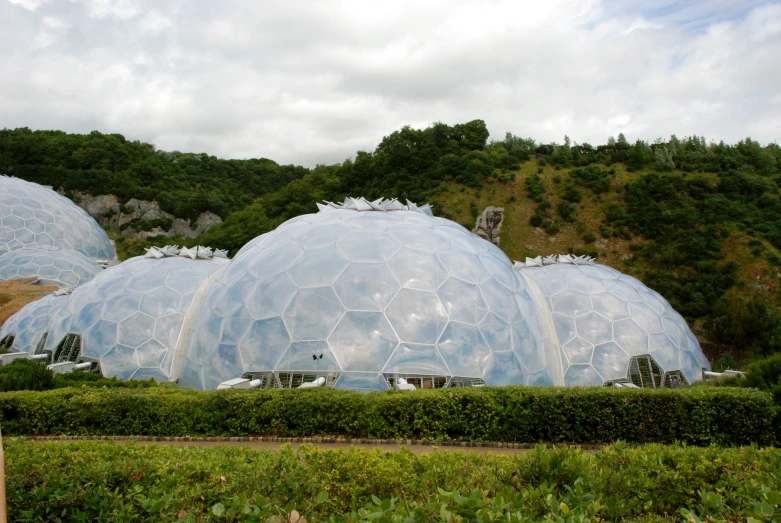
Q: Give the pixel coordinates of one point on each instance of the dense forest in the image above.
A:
(698, 221)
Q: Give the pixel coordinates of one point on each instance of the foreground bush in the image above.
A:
(699, 416)
(102, 481)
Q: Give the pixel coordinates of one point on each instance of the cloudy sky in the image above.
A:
(313, 82)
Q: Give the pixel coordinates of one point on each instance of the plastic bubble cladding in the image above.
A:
(33, 216)
(129, 317)
(366, 296)
(51, 266)
(603, 318)
(31, 323)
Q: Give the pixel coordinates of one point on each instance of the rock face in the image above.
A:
(489, 223)
(107, 210)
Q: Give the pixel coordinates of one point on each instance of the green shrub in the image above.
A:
(33, 375)
(102, 481)
(535, 188)
(699, 416)
(25, 375)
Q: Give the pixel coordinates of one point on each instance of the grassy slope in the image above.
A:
(15, 294)
(519, 239)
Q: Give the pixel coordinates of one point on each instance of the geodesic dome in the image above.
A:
(129, 317)
(24, 331)
(367, 295)
(51, 266)
(611, 327)
(36, 217)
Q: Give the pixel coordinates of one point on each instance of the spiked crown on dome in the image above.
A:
(380, 204)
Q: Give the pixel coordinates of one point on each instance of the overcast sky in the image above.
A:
(313, 82)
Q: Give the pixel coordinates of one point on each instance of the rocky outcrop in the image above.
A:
(489, 223)
(108, 211)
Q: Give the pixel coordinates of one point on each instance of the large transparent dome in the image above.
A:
(34, 216)
(380, 294)
(611, 327)
(28, 326)
(51, 266)
(129, 317)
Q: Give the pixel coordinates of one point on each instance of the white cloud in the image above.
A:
(312, 82)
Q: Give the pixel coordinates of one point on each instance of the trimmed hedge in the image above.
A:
(696, 416)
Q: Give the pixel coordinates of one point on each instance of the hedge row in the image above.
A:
(697, 416)
(102, 481)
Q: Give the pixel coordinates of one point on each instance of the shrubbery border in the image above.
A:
(695, 416)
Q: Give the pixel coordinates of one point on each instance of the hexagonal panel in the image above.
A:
(99, 339)
(565, 327)
(464, 350)
(500, 300)
(313, 313)
(610, 361)
(121, 306)
(663, 351)
(120, 362)
(571, 303)
(417, 316)
(583, 283)
(151, 353)
(496, 332)
(503, 368)
(322, 235)
(549, 280)
(610, 306)
(377, 246)
(674, 332)
(578, 350)
(464, 266)
(594, 328)
(319, 267)
(529, 346)
(160, 302)
(363, 341)
(415, 269)
(582, 376)
(308, 356)
(463, 301)
(235, 326)
(271, 297)
(421, 238)
(623, 290)
(147, 281)
(645, 317)
(410, 358)
(136, 329)
(275, 260)
(362, 381)
(366, 286)
(167, 329)
(236, 294)
(264, 344)
(501, 271)
(223, 365)
(654, 300)
(632, 338)
(691, 368)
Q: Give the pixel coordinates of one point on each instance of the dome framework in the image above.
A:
(34, 216)
(128, 319)
(54, 266)
(365, 296)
